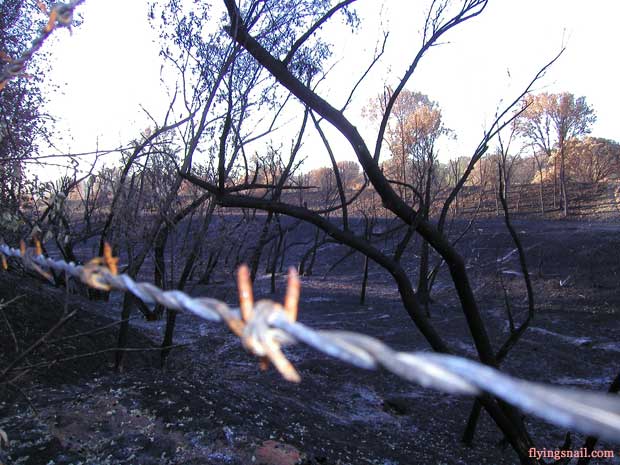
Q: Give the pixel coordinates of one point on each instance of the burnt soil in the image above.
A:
(212, 405)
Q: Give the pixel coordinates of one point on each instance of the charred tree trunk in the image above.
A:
(194, 255)
(423, 283)
(364, 281)
(214, 257)
(515, 334)
(260, 245)
(123, 332)
(276, 256)
(555, 181)
(160, 266)
(563, 179)
(368, 227)
(303, 271)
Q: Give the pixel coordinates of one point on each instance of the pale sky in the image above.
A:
(110, 66)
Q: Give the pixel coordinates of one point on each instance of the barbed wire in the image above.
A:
(266, 326)
(60, 15)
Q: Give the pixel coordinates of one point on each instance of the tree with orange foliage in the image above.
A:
(411, 135)
(549, 121)
(592, 159)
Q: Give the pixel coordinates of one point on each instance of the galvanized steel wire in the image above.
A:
(270, 327)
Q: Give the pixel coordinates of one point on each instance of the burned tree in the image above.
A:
(258, 29)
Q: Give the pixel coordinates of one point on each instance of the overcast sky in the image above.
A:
(110, 66)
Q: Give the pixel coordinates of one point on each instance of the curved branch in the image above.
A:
(344, 237)
(470, 9)
(343, 199)
(389, 197)
(299, 42)
(496, 127)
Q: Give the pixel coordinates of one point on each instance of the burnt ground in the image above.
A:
(212, 405)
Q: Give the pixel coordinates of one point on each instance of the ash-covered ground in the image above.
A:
(212, 404)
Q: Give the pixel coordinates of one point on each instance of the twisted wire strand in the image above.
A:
(270, 328)
(60, 15)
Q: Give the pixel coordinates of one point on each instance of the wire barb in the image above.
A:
(256, 336)
(246, 296)
(293, 289)
(265, 327)
(110, 261)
